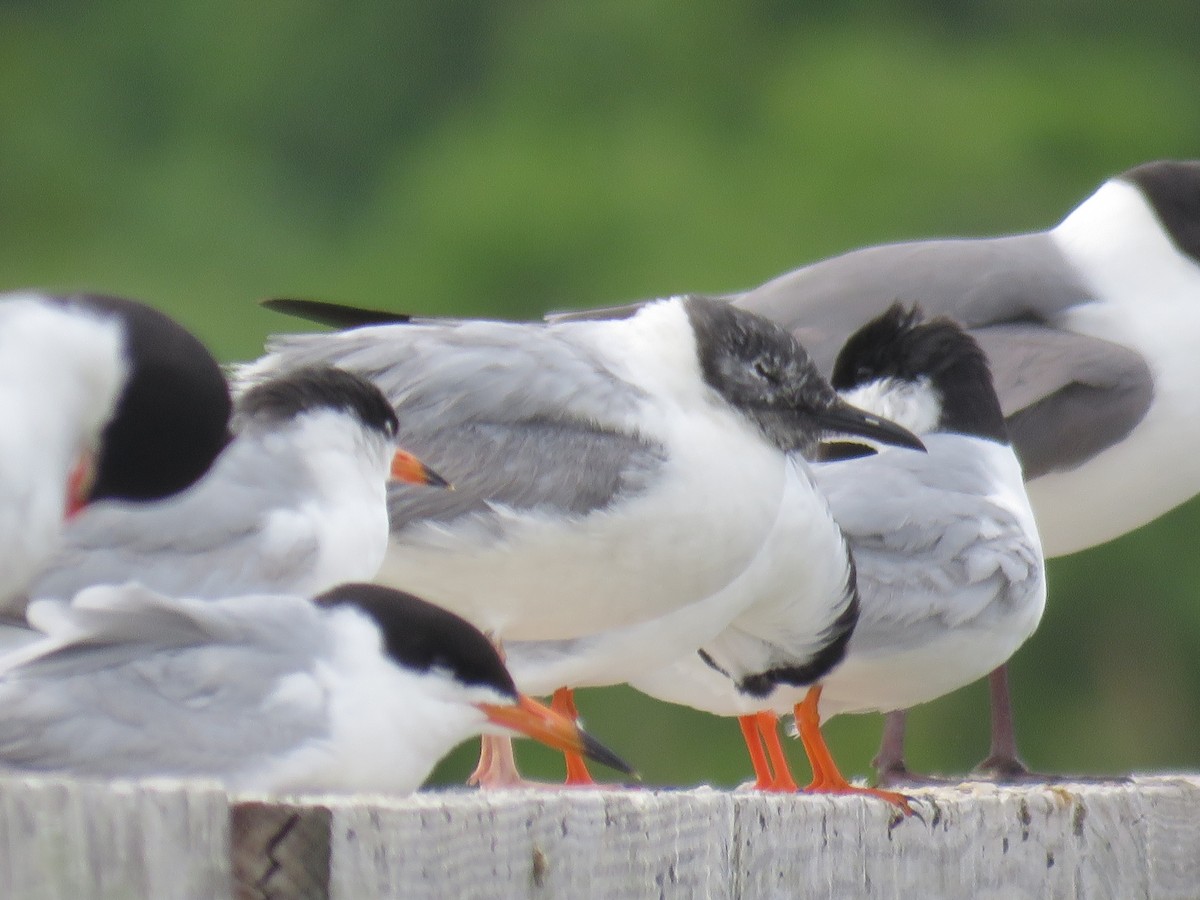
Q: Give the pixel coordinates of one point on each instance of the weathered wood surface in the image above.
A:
(165, 840)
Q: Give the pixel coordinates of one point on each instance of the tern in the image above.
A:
(362, 689)
(949, 564)
(102, 398)
(295, 503)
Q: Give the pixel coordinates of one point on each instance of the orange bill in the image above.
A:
(79, 484)
(409, 469)
(530, 718)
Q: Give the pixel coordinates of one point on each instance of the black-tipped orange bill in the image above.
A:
(409, 469)
(79, 484)
(553, 729)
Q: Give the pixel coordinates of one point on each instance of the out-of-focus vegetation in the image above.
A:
(443, 156)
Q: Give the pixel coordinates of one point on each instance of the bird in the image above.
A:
(1089, 328)
(294, 504)
(609, 476)
(360, 689)
(948, 561)
(103, 398)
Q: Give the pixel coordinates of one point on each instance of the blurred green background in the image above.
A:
(444, 156)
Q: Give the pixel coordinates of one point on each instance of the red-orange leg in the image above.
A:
(768, 730)
(563, 701)
(827, 779)
(763, 778)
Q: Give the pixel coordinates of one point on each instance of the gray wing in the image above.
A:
(931, 551)
(236, 531)
(514, 414)
(978, 282)
(132, 684)
(1065, 396)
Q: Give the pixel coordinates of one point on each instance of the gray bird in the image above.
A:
(363, 689)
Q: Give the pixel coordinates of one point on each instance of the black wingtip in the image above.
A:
(335, 315)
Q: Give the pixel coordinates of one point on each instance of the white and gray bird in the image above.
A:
(362, 689)
(1090, 329)
(102, 398)
(609, 475)
(295, 504)
(949, 565)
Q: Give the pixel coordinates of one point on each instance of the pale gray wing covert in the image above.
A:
(930, 552)
(513, 414)
(231, 533)
(157, 686)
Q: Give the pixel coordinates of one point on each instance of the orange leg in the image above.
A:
(827, 779)
(577, 770)
(768, 731)
(763, 778)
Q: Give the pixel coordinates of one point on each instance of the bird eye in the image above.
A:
(766, 371)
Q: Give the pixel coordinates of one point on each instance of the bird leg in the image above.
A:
(890, 767)
(497, 767)
(768, 730)
(1002, 762)
(827, 779)
(763, 777)
(577, 770)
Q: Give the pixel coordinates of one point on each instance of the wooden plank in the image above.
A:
(70, 839)
(977, 840)
(279, 850)
(563, 843)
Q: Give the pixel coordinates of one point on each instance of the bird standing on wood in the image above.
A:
(362, 689)
(1090, 329)
(947, 556)
(610, 477)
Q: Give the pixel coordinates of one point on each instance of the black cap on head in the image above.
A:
(172, 418)
(760, 369)
(421, 636)
(1173, 189)
(902, 345)
(320, 387)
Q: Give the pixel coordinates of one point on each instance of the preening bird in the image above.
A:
(102, 398)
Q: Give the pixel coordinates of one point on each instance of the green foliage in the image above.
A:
(504, 159)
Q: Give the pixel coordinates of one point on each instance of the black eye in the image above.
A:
(766, 371)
